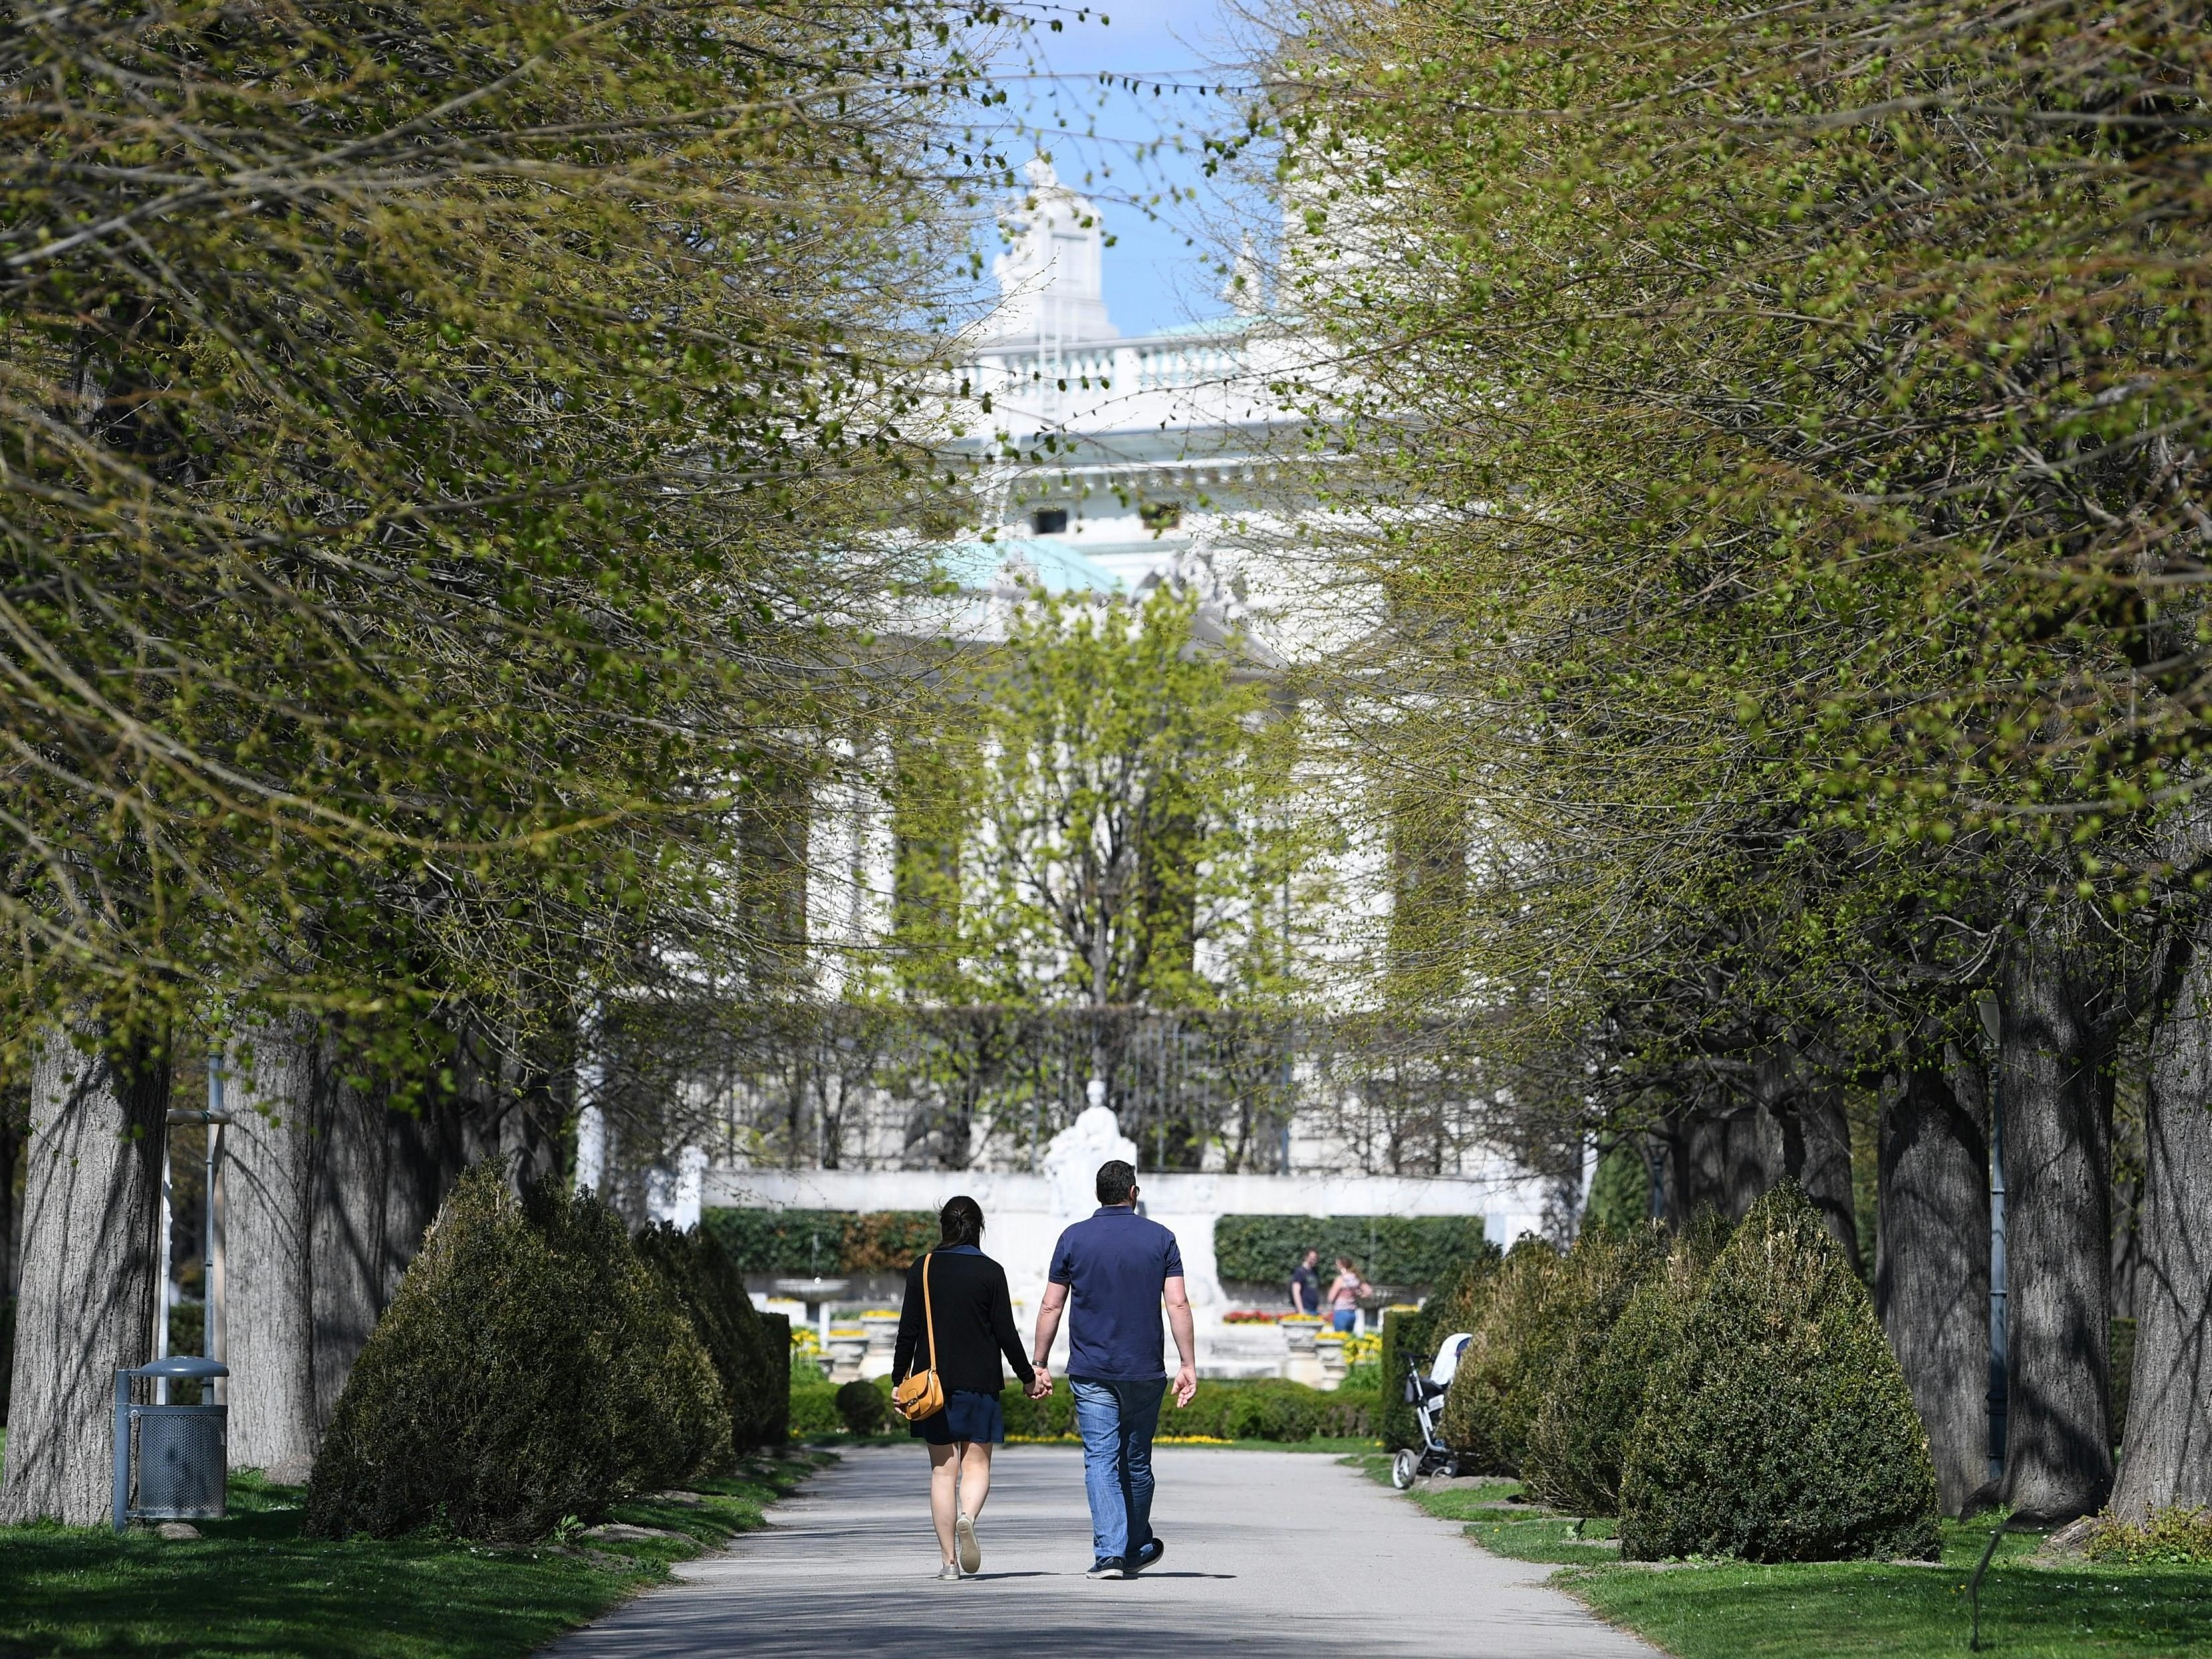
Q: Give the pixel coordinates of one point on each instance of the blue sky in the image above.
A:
(1154, 278)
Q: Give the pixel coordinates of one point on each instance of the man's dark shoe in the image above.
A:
(1108, 1566)
(1151, 1551)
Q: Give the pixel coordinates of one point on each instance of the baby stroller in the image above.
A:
(1426, 1395)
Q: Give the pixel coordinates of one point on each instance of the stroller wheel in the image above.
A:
(1404, 1467)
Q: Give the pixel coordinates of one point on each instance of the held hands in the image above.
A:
(1041, 1384)
(1186, 1384)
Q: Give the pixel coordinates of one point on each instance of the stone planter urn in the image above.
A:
(882, 1331)
(1302, 1338)
(1330, 1350)
(848, 1350)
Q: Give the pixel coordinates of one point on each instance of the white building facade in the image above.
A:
(1164, 458)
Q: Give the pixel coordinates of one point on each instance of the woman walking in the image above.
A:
(957, 1321)
(1344, 1295)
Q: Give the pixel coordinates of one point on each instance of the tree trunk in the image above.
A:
(2168, 1456)
(270, 1158)
(91, 1208)
(13, 1103)
(2052, 1054)
(1811, 1139)
(1932, 1266)
(381, 1178)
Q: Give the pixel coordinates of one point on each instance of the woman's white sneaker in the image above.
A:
(971, 1553)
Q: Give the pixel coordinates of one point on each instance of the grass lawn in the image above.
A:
(253, 1585)
(1730, 1610)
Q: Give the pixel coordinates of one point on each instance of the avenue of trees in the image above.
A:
(1788, 552)
(443, 474)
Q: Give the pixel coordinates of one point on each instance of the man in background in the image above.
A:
(1118, 1267)
(1305, 1285)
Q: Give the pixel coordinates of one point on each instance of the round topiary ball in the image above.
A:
(1499, 1387)
(1779, 1428)
(862, 1405)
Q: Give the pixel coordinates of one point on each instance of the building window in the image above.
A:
(1049, 521)
(1161, 515)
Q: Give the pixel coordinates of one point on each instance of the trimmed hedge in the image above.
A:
(1780, 1428)
(1263, 1409)
(1417, 1252)
(529, 1369)
(775, 1340)
(833, 1242)
(1499, 1386)
(1573, 1460)
(1406, 1333)
(812, 1408)
(699, 1275)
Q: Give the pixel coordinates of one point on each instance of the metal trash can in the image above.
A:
(171, 1461)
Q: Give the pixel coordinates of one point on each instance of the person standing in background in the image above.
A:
(1344, 1295)
(1305, 1285)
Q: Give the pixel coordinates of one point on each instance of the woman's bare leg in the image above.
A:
(944, 1491)
(974, 1477)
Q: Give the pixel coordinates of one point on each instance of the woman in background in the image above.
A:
(1344, 1295)
(975, 1319)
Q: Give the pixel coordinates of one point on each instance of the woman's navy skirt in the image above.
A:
(966, 1416)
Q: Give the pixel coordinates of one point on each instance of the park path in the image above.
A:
(1268, 1553)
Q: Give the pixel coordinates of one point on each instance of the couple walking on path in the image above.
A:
(1116, 1268)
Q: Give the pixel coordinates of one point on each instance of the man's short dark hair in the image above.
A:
(1117, 1180)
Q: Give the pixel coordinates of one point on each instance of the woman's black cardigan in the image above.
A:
(974, 1324)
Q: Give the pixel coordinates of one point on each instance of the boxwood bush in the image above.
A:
(1573, 1459)
(530, 1368)
(697, 1272)
(861, 1406)
(1499, 1388)
(1418, 1252)
(1779, 1428)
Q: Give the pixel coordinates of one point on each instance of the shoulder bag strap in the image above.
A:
(929, 1313)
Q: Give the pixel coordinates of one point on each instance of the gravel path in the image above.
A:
(1268, 1553)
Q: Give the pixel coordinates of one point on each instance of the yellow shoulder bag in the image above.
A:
(921, 1394)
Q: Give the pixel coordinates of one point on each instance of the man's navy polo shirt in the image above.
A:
(1116, 1266)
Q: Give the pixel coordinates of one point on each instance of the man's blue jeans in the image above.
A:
(1116, 1421)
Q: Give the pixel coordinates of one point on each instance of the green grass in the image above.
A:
(253, 1585)
(1839, 1610)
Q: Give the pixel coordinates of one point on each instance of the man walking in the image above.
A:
(1119, 1267)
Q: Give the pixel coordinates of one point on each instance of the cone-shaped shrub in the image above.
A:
(1567, 1464)
(1499, 1385)
(695, 1269)
(1594, 1410)
(1779, 1428)
(529, 1369)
